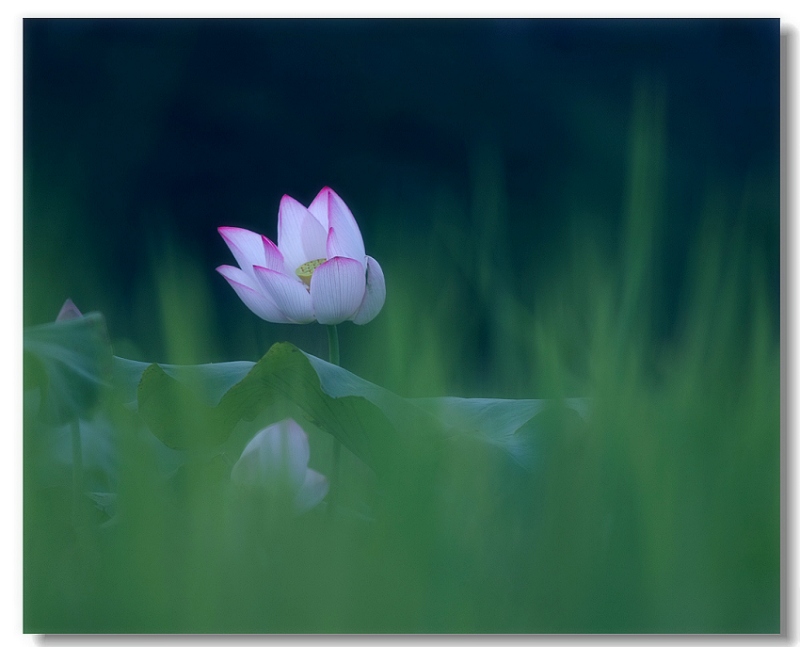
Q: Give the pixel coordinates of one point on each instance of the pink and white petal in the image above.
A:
(301, 238)
(319, 207)
(346, 240)
(289, 294)
(275, 458)
(290, 219)
(272, 256)
(326, 199)
(337, 289)
(251, 294)
(314, 488)
(346, 247)
(283, 450)
(246, 471)
(246, 246)
(375, 295)
(249, 469)
(294, 450)
(69, 311)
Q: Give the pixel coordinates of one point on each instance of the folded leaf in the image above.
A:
(69, 362)
(377, 425)
(508, 424)
(210, 381)
(285, 379)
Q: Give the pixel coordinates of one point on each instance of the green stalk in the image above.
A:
(333, 358)
(77, 472)
(333, 345)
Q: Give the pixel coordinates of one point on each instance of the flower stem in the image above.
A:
(333, 358)
(333, 345)
(77, 473)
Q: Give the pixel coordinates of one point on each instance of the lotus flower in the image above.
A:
(318, 271)
(69, 311)
(275, 463)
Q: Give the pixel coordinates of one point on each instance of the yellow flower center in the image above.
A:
(307, 269)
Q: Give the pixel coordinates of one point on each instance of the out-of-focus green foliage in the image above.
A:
(658, 513)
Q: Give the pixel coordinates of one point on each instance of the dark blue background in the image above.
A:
(170, 128)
